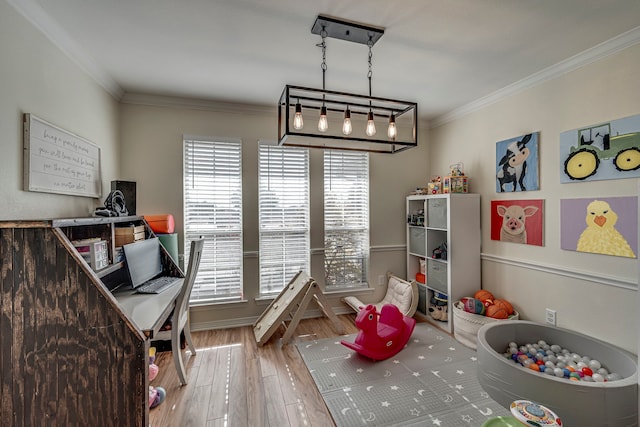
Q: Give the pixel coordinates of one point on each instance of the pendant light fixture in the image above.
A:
(371, 126)
(357, 113)
(323, 123)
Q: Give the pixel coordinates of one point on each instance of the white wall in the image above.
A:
(152, 155)
(602, 91)
(36, 77)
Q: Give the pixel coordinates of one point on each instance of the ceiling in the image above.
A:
(443, 54)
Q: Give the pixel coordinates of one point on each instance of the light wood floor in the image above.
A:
(233, 382)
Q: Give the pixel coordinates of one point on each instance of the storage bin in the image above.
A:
(437, 275)
(417, 241)
(437, 213)
(126, 235)
(94, 251)
(422, 299)
(466, 325)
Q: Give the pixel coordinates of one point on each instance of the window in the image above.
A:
(346, 219)
(283, 204)
(213, 209)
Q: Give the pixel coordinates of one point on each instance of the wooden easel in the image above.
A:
(292, 301)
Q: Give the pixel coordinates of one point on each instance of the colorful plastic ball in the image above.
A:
(597, 378)
(594, 365)
(556, 348)
(534, 367)
(574, 375)
(603, 372)
(587, 371)
(558, 372)
(587, 378)
(613, 377)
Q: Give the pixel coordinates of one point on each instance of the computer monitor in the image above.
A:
(143, 260)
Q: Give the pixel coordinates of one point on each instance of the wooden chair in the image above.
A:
(180, 316)
(401, 293)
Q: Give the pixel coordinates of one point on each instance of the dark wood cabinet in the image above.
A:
(69, 355)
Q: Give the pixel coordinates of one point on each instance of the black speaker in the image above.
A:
(128, 189)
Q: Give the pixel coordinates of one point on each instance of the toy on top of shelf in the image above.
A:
(435, 185)
(456, 169)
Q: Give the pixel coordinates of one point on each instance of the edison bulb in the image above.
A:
(298, 123)
(346, 125)
(392, 131)
(371, 126)
(323, 124)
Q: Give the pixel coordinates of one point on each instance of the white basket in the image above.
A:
(466, 325)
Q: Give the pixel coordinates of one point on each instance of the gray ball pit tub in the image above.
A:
(578, 404)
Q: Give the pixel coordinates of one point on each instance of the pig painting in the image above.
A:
(517, 222)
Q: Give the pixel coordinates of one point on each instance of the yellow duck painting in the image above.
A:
(601, 236)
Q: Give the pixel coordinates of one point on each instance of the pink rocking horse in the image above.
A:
(383, 334)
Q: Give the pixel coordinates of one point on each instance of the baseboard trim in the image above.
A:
(563, 271)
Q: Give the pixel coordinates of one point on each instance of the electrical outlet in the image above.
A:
(551, 317)
(381, 279)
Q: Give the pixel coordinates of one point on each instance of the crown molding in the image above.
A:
(196, 104)
(59, 37)
(594, 54)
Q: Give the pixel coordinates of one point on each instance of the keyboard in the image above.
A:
(155, 286)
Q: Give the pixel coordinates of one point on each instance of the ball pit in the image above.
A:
(578, 402)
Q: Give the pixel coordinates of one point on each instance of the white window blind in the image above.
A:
(346, 218)
(213, 210)
(283, 215)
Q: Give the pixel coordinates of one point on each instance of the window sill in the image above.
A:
(204, 306)
(330, 294)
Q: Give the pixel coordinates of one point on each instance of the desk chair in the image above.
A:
(180, 315)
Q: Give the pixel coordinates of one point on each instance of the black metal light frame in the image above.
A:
(404, 113)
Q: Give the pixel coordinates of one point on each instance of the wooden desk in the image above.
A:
(149, 311)
(73, 353)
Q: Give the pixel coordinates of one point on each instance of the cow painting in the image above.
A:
(517, 164)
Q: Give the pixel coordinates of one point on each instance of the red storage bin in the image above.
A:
(161, 224)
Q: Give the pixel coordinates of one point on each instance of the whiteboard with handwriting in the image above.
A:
(57, 161)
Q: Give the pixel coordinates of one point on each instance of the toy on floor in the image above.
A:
(156, 396)
(153, 368)
(383, 334)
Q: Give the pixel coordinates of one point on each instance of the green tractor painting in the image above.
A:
(616, 156)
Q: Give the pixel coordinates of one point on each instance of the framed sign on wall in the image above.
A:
(57, 161)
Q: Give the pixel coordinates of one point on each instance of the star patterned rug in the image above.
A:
(431, 382)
